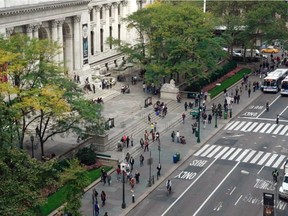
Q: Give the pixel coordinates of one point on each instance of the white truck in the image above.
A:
(283, 190)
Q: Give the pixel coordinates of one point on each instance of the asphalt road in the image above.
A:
(229, 174)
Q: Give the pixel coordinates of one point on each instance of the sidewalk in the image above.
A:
(168, 149)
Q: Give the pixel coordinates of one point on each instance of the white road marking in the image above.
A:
(240, 125)
(269, 105)
(234, 154)
(228, 153)
(181, 195)
(233, 125)
(277, 163)
(271, 128)
(233, 190)
(208, 150)
(211, 194)
(263, 159)
(202, 149)
(283, 111)
(284, 130)
(264, 128)
(260, 170)
(258, 127)
(214, 151)
(246, 126)
(263, 119)
(238, 200)
(252, 126)
(228, 125)
(278, 129)
(222, 152)
(243, 154)
(274, 156)
(246, 159)
(256, 157)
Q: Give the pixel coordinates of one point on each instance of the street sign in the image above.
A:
(268, 204)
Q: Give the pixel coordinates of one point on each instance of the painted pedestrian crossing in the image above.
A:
(260, 127)
(243, 155)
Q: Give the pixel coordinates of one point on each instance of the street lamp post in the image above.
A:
(199, 114)
(216, 115)
(32, 142)
(123, 191)
(159, 149)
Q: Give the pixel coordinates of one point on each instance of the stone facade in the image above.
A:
(81, 27)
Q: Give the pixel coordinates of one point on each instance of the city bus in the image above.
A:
(272, 83)
(284, 86)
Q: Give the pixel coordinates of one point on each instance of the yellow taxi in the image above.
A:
(270, 49)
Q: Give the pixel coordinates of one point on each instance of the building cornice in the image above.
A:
(40, 7)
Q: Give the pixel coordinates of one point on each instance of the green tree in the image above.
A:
(173, 38)
(75, 176)
(40, 96)
(22, 182)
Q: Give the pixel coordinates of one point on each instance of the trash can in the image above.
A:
(178, 156)
(225, 115)
(174, 158)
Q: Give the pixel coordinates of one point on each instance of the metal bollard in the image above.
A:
(133, 198)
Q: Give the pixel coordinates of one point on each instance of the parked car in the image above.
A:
(270, 49)
(283, 190)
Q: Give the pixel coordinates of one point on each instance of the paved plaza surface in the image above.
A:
(131, 119)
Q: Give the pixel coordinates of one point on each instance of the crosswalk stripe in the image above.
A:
(214, 151)
(246, 126)
(284, 130)
(264, 128)
(271, 128)
(228, 153)
(208, 150)
(221, 152)
(258, 127)
(252, 126)
(278, 129)
(270, 161)
(202, 149)
(233, 125)
(282, 166)
(240, 125)
(243, 154)
(228, 125)
(246, 159)
(256, 157)
(234, 154)
(277, 163)
(263, 159)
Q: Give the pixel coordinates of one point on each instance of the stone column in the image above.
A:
(29, 31)
(123, 25)
(97, 30)
(36, 31)
(54, 37)
(68, 52)
(116, 21)
(107, 27)
(77, 47)
(60, 40)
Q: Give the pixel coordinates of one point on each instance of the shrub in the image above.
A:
(86, 156)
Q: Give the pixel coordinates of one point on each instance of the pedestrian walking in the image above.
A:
(118, 171)
(185, 106)
(103, 198)
(141, 160)
(137, 176)
(131, 140)
(132, 183)
(108, 179)
(94, 88)
(127, 157)
(127, 141)
(183, 118)
(106, 214)
(146, 145)
(158, 169)
(96, 208)
(103, 176)
(173, 136)
(155, 126)
(149, 118)
(209, 118)
(94, 195)
(152, 128)
(131, 161)
(142, 143)
(249, 92)
(194, 126)
(178, 136)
